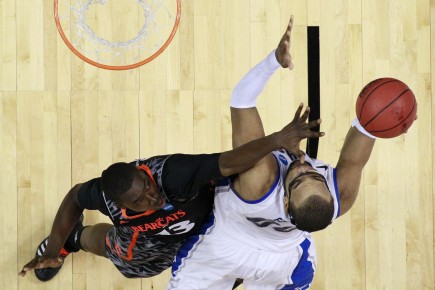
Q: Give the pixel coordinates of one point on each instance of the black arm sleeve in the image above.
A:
(183, 174)
(91, 197)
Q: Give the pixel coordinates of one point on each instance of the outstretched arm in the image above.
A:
(246, 122)
(354, 155)
(67, 215)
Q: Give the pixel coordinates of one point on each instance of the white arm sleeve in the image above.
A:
(252, 84)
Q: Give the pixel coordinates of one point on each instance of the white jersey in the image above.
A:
(266, 220)
(252, 240)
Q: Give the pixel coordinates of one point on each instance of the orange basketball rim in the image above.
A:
(78, 22)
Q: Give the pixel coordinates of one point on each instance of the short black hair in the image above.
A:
(314, 214)
(117, 179)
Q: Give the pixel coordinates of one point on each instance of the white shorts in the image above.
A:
(213, 261)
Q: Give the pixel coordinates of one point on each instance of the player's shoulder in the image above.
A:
(254, 183)
(91, 186)
(151, 161)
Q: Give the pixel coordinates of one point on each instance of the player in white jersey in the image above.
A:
(253, 239)
(267, 219)
(262, 219)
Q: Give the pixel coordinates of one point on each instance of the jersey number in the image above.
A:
(177, 229)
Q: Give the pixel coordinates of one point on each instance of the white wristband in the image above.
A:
(360, 128)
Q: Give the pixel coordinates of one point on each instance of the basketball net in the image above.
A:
(117, 34)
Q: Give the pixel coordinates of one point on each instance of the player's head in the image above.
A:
(131, 187)
(310, 203)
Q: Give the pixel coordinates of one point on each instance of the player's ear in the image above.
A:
(286, 201)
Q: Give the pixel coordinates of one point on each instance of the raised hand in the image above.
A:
(41, 262)
(291, 135)
(282, 52)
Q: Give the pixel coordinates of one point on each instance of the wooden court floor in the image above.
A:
(63, 121)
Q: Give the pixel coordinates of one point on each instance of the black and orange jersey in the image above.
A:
(187, 182)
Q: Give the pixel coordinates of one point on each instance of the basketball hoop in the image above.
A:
(105, 44)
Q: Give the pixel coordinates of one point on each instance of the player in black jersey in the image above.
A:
(154, 205)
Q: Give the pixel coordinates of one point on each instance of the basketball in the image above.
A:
(386, 107)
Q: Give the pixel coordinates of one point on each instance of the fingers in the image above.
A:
(289, 27)
(28, 267)
(288, 35)
(301, 157)
(314, 123)
(298, 112)
(316, 134)
(288, 58)
(282, 52)
(304, 116)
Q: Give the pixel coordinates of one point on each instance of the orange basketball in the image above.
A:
(386, 107)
